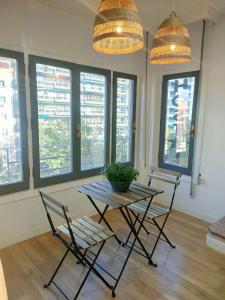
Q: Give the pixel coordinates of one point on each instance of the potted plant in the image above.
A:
(120, 176)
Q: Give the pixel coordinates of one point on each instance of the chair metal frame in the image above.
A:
(72, 246)
(168, 177)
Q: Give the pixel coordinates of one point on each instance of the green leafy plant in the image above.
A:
(120, 173)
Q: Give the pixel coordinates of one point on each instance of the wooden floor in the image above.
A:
(192, 271)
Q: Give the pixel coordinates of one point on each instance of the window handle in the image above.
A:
(192, 131)
(78, 131)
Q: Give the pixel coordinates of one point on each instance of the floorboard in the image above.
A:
(190, 272)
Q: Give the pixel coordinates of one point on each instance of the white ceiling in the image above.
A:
(153, 12)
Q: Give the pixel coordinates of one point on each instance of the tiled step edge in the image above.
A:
(218, 228)
(215, 242)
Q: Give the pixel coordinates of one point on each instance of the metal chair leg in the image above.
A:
(94, 270)
(160, 233)
(82, 259)
(57, 269)
(102, 217)
(90, 269)
(143, 226)
(130, 233)
(164, 235)
(136, 238)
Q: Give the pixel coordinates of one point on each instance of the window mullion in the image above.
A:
(76, 119)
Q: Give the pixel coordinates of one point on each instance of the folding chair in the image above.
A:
(78, 236)
(156, 211)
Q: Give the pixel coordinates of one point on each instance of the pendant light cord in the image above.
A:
(203, 43)
(173, 5)
(146, 95)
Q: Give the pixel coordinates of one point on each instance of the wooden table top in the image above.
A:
(102, 191)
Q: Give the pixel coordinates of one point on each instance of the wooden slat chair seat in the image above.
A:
(154, 211)
(87, 233)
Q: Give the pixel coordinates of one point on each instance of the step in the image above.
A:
(218, 228)
(216, 236)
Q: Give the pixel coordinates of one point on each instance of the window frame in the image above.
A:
(75, 70)
(117, 75)
(107, 74)
(25, 183)
(38, 181)
(186, 171)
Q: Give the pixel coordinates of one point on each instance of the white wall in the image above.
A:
(208, 201)
(34, 28)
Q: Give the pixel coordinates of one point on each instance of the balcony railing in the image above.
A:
(10, 165)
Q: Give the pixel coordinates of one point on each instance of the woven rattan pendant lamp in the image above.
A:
(171, 44)
(117, 28)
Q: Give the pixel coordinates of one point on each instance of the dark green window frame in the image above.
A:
(75, 109)
(161, 163)
(107, 74)
(24, 184)
(117, 75)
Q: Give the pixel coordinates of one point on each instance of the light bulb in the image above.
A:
(172, 47)
(118, 29)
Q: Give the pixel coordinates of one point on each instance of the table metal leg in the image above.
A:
(136, 233)
(129, 221)
(103, 213)
(135, 222)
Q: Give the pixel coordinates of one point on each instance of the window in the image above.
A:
(52, 121)
(94, 119)
(2, 100)
(178, 114)
(124, 96)
(13, 124)
(2, 83)
(70, 117)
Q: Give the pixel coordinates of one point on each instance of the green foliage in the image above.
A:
(54, 137)
(120, 173)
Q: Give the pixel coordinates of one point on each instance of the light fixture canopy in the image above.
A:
(171, 44)
(117, 28)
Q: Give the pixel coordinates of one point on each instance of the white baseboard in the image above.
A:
(216, 243)
(193, 213)
(14, 239)
(196, 214)
(22, 237)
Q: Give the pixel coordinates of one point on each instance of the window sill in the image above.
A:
(20, 196)
(185, 178)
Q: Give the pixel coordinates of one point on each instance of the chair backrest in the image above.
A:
(53, 206)
(171, 177)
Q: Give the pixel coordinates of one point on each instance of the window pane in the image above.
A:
(54, 120)
(10, 135)
(180, 98)
(92, 109)
(124, 113)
